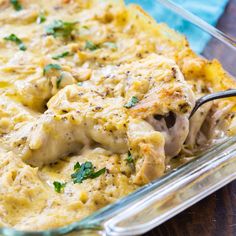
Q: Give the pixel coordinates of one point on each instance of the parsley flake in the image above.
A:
(49, 67)
(41, 18)
(134, 100)
(60, 28)
(59, 187)
(79, 83)
(64, 54)
(91, 46)
(15, 39)
(77, 166)
(59, 79)
(129, 158)
(85, 171)
(85, 27)
(16, 4)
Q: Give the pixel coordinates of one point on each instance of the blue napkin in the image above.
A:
(208, 10)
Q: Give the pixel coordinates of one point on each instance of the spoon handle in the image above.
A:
(211, 97)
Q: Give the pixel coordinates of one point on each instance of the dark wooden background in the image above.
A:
(216, 214)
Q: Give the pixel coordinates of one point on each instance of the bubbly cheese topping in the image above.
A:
(94, 102)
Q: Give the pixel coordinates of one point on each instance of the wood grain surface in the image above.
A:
(216, 214)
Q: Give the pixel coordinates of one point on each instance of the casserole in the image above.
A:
(152, 186)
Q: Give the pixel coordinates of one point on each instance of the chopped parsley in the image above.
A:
(132, 102)
(59, 187)
(64, 54)
(77, 166)
(15, 39)
(85, 171)
(16, 4)
(129, 158)
(91, 46)
(79, 83)
(85, 27)
(49, 67)
(59, 79)
(60, 28)
(41, 18)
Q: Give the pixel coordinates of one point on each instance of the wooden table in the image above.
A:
(216, 214)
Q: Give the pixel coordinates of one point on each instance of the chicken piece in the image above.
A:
(29, 11)
(32, 91)
(217, 120)
(36, 88)
(56, 135)
(76, 117)
(209, 123)
(160, 88)
(175, 129)
(13, 115)
(196, 123)
(25, 16)
(155, 80)
(167, 101)
(85, 115)
(20, 187)
(147, 146)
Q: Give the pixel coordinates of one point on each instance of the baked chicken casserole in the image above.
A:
(95, 99)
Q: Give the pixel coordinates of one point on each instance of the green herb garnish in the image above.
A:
(61, 28)
(59, 187)
(129, 158)
(85, 171)
(77, 166)
(132, 102)
(59, 79)
(49, 67)
(91, 46)
(64, 54)
(79, 83)
(41, 18)
(85, 27)
(15, 39)
(16, 4)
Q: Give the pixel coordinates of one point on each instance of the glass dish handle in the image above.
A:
(210, 173)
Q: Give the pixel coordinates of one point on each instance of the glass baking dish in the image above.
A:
(165, 197)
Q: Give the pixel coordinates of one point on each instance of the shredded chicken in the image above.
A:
(80, 116)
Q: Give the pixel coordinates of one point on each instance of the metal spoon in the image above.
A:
(210, 97)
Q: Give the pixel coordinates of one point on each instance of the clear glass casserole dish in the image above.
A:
(160, 200)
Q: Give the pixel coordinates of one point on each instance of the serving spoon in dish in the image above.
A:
(211, 97)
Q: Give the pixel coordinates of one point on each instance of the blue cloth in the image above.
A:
(208, 10)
